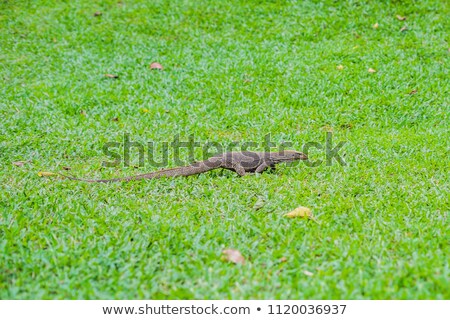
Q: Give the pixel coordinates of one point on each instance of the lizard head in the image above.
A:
(291, 155)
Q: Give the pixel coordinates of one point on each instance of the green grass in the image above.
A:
(233, 71)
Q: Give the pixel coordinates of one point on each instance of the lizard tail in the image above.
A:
(90, 180)
(192, 169)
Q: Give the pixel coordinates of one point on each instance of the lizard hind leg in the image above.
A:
(263, 166)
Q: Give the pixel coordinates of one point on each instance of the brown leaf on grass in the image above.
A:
(283, 259)
(375, 26)
(20, 163)
(66, 168)
(115, 119)
(370, 70)
(340, 67)
(156, 65)
(83, 113)
(301, 212)
(112, 76)
(45, 174)
(233, 255)
(97, 14)
(413, 92)
(404, 28)
(401, 18)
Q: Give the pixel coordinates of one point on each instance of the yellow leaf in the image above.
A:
(375, 26)
(371, 70)
(340, 67)
(144, 110)
(301, 212)
(45, 174)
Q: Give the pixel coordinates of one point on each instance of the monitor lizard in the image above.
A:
(241, 162)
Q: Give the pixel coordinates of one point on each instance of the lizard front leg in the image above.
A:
(240, 170)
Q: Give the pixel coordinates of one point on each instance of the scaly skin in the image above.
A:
(241, 162)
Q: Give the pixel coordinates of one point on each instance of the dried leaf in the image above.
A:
(156, 65)
(45, 174)
(283, 259)
(371, 70)
(66, 168)
(112, 76)
(301, 212)
(399, 17)
(307, 273)
(115, 119)
(375, 26)
(20, 163)
(83, 113)
(233, 255)
(413, 92)
(404, 28)
(97, 14)
(340, 67)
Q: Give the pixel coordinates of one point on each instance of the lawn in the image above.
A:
(233, 71)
